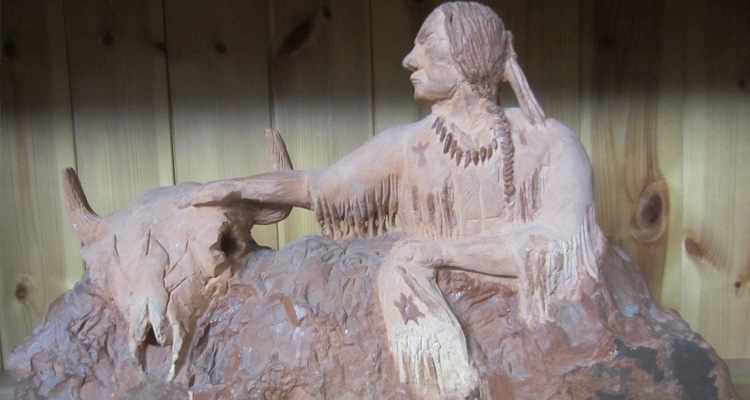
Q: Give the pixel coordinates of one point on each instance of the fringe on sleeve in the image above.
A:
(366, 213)
(556, 271)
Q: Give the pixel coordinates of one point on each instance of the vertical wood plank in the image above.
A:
(39, 252)
(322, 86)
(120, 100)
(716, 262)
(670, 105)
(219, 90)
(546, 38)
(2, 41)
(621, 74)
(7, 391)
(739, 370)
(2, 363)
(395, 24)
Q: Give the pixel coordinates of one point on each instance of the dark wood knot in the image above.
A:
(9, 48)
(651, 217)
(297, 37)
(606, 42)
(108, 39)
(23, 291)
(220, 48)
(694, 250)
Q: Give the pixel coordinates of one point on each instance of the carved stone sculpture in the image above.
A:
(497, 283)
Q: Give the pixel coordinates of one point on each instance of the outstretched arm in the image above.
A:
(360, 169)
(288, 188)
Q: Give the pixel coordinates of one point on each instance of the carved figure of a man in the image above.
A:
(476, 188)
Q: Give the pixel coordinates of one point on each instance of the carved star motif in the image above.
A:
(409, 310)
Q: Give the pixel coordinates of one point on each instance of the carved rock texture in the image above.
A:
(303, 323)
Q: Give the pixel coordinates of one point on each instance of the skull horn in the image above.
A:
(280, 161)
(83, 219)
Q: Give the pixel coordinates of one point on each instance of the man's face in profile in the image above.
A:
(436, 74)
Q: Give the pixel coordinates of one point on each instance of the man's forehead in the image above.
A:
(435, 23)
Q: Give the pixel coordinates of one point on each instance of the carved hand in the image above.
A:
(212, 192)
(420, 252)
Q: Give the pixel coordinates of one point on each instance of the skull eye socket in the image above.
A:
(229, 245)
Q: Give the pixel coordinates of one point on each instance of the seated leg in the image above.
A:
(425, 338)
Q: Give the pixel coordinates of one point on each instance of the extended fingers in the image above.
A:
(423, 252)
(215, 192)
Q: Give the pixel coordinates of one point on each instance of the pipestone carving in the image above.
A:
(497, 283)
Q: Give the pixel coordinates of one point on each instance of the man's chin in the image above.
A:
(422, 101)
(420, 97)
(427, 96)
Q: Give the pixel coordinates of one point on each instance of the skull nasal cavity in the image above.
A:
(229, 244)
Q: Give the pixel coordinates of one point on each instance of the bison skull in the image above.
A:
(161, 262)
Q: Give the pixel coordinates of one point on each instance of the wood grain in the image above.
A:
(321, 86)
(2, 40)
(716, 257)
(118, 78)
(395, 24)
(6, 386)
(546, 38)
(38, 252)
(670, 104)
(622, 53)
(739, 370)
(219, 90)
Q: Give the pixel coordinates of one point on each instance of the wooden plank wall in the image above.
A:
(38, 257)
(321, 76)
(219, 90)
(145, 93)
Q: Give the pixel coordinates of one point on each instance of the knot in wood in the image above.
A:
(9, 49)
(23, 291)
(108, 39)
(694, 250)
(220, 48)
(651, 216)
(296, 38)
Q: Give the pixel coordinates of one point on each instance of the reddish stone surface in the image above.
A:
(618, 342)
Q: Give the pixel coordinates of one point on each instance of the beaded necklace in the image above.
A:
(476, 155)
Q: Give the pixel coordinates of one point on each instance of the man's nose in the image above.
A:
(410, 61)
